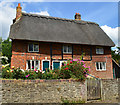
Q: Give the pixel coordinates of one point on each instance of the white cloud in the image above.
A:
(112, 33)
(7, 15)
(41, 13)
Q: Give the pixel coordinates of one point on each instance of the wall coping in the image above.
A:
(41, 80)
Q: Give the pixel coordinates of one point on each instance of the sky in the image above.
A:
(103, 13)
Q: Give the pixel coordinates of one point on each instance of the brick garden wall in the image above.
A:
(20, 55)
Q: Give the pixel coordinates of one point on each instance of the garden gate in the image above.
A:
(93, 89)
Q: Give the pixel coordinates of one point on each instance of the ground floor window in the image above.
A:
(33, 64)
(100, 66)
(58, 64)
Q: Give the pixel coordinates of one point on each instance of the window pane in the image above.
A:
(97, 65)
(69, 48)
(65, 49)
(30, 47)
(36, 47)
(103, 65)
(101, 50)
(62, 63)
(100, 65)
(32, 64)
(97, 51)
(37, 65)
(28, 64)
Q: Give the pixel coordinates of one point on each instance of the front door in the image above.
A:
(45, 65)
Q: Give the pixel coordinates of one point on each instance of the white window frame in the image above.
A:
(99, 66)
(43, 61)
(67, 49)
(100, 50)
(31, 64)
(52, 64)
(33, 47)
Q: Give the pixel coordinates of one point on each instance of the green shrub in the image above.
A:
(75, 69)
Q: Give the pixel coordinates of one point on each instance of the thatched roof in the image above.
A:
(51, 29)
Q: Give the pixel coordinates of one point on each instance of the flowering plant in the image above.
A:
(74, 68)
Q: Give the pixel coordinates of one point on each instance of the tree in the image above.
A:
(6, 50)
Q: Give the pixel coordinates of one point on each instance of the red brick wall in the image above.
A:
(20, 55)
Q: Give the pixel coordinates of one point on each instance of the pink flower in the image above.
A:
(26, 76)
(75, 60)
(84, 65)
(40, 70)
(82, 61)
(35, 70)
(86, 75)
(64, 64)
(89, 69)
(88, 66)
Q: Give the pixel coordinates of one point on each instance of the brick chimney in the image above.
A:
(18, 11)
(77, 16)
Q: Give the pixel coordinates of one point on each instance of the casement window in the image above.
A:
(99, 50)
(67, 49)
(33, 64)
(33, 47)
(100, 66)
(58, 64)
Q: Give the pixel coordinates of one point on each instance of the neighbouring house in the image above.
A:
(46, 42)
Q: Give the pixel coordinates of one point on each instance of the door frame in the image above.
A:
(43, 61)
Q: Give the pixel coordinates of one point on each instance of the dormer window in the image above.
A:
(33, 47)
(99, 50)
(67, 49)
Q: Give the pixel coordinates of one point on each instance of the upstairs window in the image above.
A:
(33, 47)
(67, 49)
(100, 66)
(99, 50)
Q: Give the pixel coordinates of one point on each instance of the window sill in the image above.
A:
(67, 52)
(33, 51)
(101, 70)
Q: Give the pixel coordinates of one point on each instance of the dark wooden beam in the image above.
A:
(91, 52)
(62, 51)
(72, 51)
(51, 51)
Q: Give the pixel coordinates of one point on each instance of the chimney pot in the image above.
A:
(18, 4)
(18, 11)
(77, 16)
